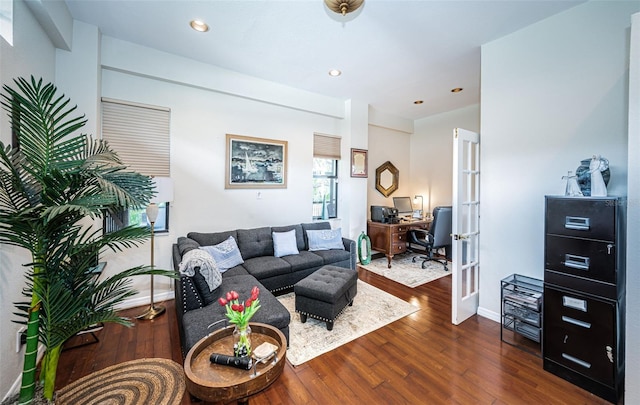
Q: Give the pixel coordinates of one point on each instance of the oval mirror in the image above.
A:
(387, 178)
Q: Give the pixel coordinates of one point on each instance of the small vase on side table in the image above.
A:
(242, 341)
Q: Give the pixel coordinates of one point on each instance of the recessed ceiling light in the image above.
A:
(334, 73)
(418, 102)
(456, 90)
(199, 26)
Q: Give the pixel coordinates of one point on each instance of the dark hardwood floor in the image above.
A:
(419, 359)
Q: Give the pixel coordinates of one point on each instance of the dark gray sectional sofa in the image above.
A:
(197, 307)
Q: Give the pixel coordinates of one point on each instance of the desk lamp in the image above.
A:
(415, 201)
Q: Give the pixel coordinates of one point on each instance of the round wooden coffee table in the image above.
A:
(218, 383)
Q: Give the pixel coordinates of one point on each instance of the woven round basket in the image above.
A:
(144, 381)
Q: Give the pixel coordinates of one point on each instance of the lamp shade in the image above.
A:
(163, 187)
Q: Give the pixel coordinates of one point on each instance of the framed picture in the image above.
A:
(255, 163)
(359, 163)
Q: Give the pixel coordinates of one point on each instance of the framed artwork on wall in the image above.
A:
(255, 162)
(359, 163)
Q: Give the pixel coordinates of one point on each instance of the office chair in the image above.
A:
(438, 236)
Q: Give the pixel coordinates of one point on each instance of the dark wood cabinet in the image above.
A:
(391, 239)
(583, 327)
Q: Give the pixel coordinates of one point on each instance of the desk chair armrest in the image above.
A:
(420, 236)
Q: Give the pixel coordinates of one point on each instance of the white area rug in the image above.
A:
(404, 271)
(372, 309)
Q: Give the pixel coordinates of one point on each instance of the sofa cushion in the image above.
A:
(266, 266)
(226, 254)
(213, 238)
(333, 256)
(195, 323)
(186, 244)
(304, 260)
(255, 242)
(284, 243)
(235, 271)
(325, 239)
(300, 242)
(312, 226)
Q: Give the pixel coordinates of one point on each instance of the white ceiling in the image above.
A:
(391, 52)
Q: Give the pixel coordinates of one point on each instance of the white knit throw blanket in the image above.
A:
(199, 259)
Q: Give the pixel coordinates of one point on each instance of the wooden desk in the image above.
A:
(391, 239)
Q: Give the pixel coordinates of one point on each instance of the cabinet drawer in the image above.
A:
(562, 306)
(398, 248)
(579, 333)
(521, 312)
(591, 259)
(589, 218)
(523, 328)
(398, 237)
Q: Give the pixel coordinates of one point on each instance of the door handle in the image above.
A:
(455, 236)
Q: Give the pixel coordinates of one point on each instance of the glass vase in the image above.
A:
(242, 341)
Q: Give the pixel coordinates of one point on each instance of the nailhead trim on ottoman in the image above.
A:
(325, 293)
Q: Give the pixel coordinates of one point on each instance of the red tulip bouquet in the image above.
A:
(239, 314)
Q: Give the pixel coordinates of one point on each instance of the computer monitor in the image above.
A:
(403, 205)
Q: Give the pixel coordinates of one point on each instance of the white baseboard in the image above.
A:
(494, 316)
(141, 301)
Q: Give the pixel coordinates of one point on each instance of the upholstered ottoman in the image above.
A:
(325, 293)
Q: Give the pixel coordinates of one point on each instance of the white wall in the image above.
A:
(205, 107)
(431, 154)
(632, 392)
(388, 145)
(553, 93)
(32, 54)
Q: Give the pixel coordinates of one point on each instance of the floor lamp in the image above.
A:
(164, 194)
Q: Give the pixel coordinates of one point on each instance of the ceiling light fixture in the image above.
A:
(343, 6)
(199, 26)
(456, 90)
(334, 73)
(418, 102)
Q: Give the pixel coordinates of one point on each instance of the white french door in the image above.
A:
(465, 226)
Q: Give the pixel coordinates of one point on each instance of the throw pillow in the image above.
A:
(225, 254)
(325, 239)
(284, 243)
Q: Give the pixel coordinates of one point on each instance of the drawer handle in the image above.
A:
(576, 262)
(576, 360)
(577, 322)
(577, 223)
(574, 303)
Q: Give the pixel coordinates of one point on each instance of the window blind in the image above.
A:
(139, 134)
(326, 146)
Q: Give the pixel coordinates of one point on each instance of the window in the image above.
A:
(326, 153)
(138, 217)
(325, 188)
(6, 21)
(131, 128)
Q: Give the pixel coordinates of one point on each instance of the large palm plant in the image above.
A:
(53, 183)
